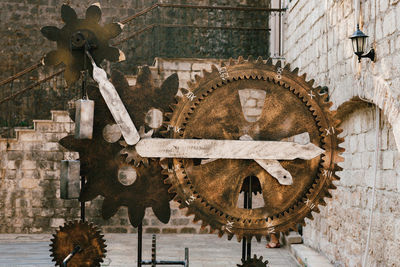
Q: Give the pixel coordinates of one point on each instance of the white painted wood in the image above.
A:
(275, 169)
(115, 105)
(225, 149)
(272, 166)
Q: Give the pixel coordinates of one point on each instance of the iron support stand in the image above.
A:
(246, 243)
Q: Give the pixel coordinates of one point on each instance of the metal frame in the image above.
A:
(154, 262)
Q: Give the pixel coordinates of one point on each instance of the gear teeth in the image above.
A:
(230, 236)
(197, 78)
(316, 106)
(214, 69)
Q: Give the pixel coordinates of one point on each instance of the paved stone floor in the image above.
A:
(205, 250)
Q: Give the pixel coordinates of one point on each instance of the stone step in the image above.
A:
(308, 257)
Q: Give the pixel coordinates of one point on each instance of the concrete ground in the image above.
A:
(204, 250)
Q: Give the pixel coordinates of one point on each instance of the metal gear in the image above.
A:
(101, 160)
(75, 35)
(212, 110)
(86, 236)
(254, 262)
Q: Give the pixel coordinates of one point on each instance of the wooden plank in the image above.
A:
(225, 149)
(115, 105)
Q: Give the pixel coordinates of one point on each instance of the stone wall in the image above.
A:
(30, 173)
(30, 186)
(23, 45)
(316, 40)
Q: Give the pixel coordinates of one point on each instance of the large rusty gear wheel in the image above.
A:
(74, 35)
(86, 236)
(212, 110)
(101, 160)
(254, 262)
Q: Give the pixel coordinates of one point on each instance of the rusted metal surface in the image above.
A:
(292, 107)
(78, 35)
(254, 262)
(101, 159)
(86, 236)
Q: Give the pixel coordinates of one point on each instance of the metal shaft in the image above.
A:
(82, 202)
(139, 249)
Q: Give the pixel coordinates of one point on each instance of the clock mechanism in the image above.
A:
(247, 124)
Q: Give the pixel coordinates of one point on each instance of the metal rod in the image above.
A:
(139, 249)
(15, 76)
(184, 26)
(165, 263)
(244, 241)
(280, 29)
(31, 86)
(147, 10)
(153, 251)
(82, 202)
(70, 255)
(249, 206)
(187, 257)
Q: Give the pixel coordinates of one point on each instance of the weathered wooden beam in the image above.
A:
(115, 105)
(225, 149)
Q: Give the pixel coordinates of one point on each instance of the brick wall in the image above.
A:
(316, 40)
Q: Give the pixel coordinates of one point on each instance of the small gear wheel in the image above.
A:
(75, 35)
(254, 262)
(261, 101)
(89, 239)
(105, 159)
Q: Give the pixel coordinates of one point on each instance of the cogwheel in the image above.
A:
(254, 262)
(86, 236)
(103, 160)
(78, 33)
(225, 104)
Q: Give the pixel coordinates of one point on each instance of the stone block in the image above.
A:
(29, 183)
(293, 238)
(56, 222)
(28, 165)
(387, 160)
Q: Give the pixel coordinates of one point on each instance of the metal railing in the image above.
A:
(196, 34)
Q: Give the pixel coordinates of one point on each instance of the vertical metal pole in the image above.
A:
(139, 248)
(244, 241)
(82, 202)
(187, 257)
(280, 29)
(249, 206)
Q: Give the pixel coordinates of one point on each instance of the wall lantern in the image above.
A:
(359, 41)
